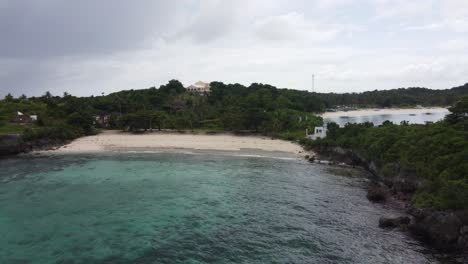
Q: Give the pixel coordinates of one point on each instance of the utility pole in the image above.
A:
(313, 82)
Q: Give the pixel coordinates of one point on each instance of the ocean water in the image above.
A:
(178, 208)
(413, 116)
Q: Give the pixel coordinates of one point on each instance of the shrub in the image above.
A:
(58, 133)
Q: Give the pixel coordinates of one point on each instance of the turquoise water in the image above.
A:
(175, 208)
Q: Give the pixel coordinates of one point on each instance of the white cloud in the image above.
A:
(432, 26)
(330, 4)
(350, 45)
(426, 15)
(454, 8)
(291, 27)
(403, 9)
(453, 45)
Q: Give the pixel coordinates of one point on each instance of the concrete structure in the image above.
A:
(21, 118)
(319, 132)
(102, 120)
(199, 88)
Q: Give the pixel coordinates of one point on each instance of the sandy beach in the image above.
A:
(117, 141)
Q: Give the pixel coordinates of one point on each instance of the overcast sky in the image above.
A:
(92, 46)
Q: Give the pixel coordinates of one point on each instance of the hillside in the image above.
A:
(260, 108)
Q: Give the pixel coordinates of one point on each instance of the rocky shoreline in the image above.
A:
(13, 145)
(444, 230)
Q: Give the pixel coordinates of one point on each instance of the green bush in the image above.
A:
(58, 133)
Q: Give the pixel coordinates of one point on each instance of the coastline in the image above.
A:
(173, 142)
(444, 230)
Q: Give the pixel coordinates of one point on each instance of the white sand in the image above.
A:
(390, 111)
(121, 141)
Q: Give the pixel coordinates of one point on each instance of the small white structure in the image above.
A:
(319, 132)
(22, 118)
(199, 87)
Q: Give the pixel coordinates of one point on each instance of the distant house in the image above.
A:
(102, 120)
(22, 118)
(199, 88)
(319, 132)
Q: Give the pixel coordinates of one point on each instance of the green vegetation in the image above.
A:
(10, 128)
(255, 109)
(60, 118)
(258, 108)
(402, 97)
(434, 152)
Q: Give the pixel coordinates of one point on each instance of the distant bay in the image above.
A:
(395, 115)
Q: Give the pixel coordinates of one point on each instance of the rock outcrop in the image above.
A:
(376, 192)
(444, 230)
(13, 144)
(401, 221)
(10, 145)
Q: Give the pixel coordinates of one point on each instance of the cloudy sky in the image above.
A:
(92, 46)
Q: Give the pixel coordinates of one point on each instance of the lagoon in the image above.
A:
(378, 116)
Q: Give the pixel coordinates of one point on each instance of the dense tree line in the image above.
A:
(434, 152)
(395, 97)
(257, 108)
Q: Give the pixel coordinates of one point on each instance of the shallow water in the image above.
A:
(377, 117)
(176, 208)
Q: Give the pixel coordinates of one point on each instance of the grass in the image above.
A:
(11, 128)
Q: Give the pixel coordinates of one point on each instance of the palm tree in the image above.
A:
(47, 95)
(8, 97)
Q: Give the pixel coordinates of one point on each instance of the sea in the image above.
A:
(193, 208)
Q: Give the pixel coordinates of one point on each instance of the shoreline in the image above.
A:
(172, 142)
(430, 226)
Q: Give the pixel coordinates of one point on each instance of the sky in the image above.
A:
(90, 47)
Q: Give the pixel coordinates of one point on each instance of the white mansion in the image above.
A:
(199, 87)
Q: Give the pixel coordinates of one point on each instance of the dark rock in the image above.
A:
(401, 221)
(462, 240)
(463, 216)
(408, 186)
(441, 229)
(376, 192)
(10, 145)
(416, 212)
(13, 144)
